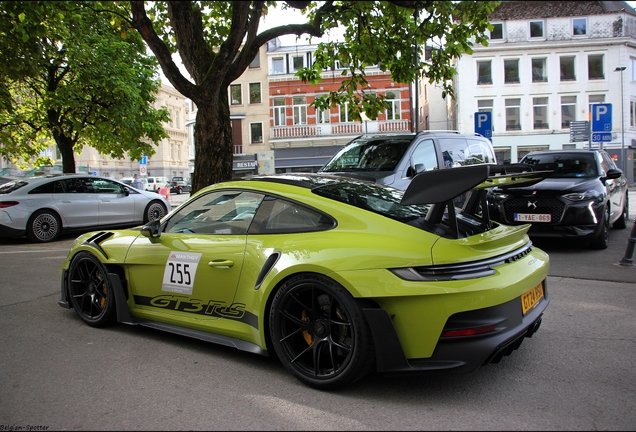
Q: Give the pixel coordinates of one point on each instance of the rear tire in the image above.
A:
(44, 226)
(319, 333)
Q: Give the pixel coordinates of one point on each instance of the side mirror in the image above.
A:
(126, 191)
(613, 173)
(152, 229)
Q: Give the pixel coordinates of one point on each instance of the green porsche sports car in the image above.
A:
(337, 277)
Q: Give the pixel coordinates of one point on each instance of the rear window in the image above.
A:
(11, 186)
(369, 154)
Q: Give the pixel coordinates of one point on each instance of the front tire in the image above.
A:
(91, 291)
(621, 222)
(154, 211)
(44, 226)
(319, 333)
(601, 241)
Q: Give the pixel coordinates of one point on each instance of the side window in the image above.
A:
(74, 185)
(105, 186)
(221, 212)
(607, 163)
(424, 154)
(277, 215)
(49, 187)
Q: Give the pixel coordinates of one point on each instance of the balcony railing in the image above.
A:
(314, 130)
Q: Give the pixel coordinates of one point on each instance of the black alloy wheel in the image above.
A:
(319, 333)
(91, 291)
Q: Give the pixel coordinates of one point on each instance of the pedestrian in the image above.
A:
(136, 183)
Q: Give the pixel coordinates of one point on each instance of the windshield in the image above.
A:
(564, 165)
(369, 154)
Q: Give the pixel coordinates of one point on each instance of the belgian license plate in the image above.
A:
(531, 217)
(530, 298)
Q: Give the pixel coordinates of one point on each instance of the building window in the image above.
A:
(486, 105)
(256, 130)
(539, 70)
(297, 62)
(596, 99)
(279, 111)
(484, 72)
(579, 26)
(540, 113)
(344, 113)
(393, 112)
(568, 111)
(235, 94)
(632, 69)
(595, 66)
(536, 29)
(513, 114)
(511, 71)
(256, 63)
(497, 31)
(632, 113)
(255, 93)
(278, 65)
(322, 116)
(177, 114)
(299, 104)
(178, 152)
(567, 68)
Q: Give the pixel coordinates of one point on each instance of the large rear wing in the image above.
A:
(441, 187)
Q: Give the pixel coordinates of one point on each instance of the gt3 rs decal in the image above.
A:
(219, 309)
(178, 277)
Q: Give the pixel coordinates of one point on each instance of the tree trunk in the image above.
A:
(65, 144)
(213, 142)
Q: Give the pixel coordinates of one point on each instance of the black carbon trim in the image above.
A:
(95, 240)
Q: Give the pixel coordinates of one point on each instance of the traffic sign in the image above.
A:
(483, 123)
(601, 118)
(142, 170)
(601, 137)
(143, 160)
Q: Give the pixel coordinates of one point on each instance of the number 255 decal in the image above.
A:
(181, 268)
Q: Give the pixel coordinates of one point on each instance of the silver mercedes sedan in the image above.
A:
(44, 207)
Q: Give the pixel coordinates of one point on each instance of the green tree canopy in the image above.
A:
(69, 76)
(217, 40)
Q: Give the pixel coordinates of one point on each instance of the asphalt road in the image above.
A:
(576, 373)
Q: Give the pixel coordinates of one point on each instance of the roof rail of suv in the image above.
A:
(447, 131)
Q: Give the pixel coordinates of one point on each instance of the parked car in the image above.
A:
(393, 159)
(335, 277)
(180, 185)
(585, 195)
(129, 181)
(43, 207)
(155, 183)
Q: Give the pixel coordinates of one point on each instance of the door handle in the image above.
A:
(221, 263)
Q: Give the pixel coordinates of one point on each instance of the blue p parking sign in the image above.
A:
(483, 123)
(601, 122)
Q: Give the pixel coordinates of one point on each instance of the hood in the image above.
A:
(563, 185)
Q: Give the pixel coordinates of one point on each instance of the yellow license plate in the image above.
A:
(530, 298)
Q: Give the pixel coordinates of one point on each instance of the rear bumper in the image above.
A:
(458, 354)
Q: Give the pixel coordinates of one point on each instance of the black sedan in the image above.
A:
(585, 195)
